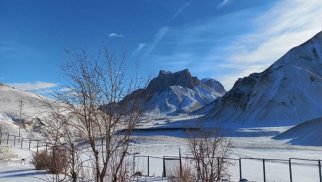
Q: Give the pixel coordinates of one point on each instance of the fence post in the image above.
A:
(21, 142)
(320, 172)
(29, 143)
(134, 165)
(290, 168)
(218, 169)
(180, 163)
(14, 140)
(164, 172)
(148, 165)
(8, 139)
(37, 145)
(264, 171)
(0, 137)
(240, 169)
(46, 145)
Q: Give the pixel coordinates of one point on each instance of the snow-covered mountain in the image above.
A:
(307, 133)
(177, 92)
(287, 93)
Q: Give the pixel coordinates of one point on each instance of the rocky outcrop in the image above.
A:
(165, 79)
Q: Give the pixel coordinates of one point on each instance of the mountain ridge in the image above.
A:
(177, 92)
(286, 93)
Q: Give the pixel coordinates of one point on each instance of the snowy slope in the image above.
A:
(308, 133)
(179, 92)
(287, 93)
(33, 107)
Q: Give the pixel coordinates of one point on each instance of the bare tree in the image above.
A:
(61, 144)
(93, 119)
(210, 152)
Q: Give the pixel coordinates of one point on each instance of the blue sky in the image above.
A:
(220, 39)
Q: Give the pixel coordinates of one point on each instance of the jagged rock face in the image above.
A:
(287, 93)
(175, 93)
(166, 79)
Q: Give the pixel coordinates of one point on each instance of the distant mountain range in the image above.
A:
(174, 93)
(287, 93)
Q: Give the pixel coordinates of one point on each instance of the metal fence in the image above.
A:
(22, 142)
(166, 166)
(252, 169)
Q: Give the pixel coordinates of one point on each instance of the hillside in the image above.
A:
(308, 133)
(33, 108)
(287, 93)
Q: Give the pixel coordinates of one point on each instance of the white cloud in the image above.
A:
(114, 35)
(38, 85)
(138, 50)
(180, 10)
(287, 24)
(223, 3)
(236, 44)
(140, 47)
(65, 89)
(157, 38)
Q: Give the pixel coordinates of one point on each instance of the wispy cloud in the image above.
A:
(286, 25)
(140, 47)
(180, 10)
(114, 35)
(38, 85)
(223, 3)
(157, 38)
(138, 50)
(239, 43)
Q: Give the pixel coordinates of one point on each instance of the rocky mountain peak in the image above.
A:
(175, 93)
(165, 79)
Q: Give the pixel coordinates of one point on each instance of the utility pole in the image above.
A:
(20, 120)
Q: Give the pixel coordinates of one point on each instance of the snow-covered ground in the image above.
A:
(160, 145)
(248, 143)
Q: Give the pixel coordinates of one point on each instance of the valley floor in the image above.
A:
(159, 143)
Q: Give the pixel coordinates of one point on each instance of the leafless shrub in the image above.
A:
(185, 174)
(55, 161)
(58, 161)
(209, 151)
(41, 160)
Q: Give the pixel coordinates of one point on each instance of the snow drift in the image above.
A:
(308, 133)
